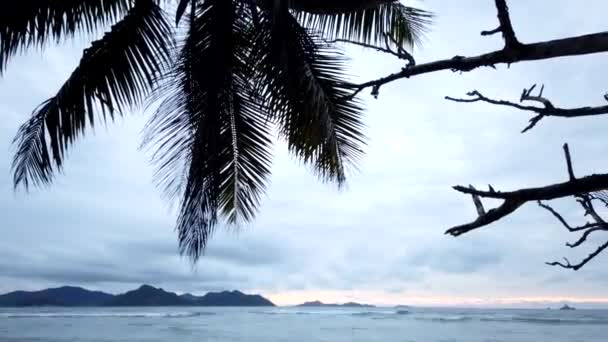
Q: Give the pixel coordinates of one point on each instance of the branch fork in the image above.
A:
(585, 190)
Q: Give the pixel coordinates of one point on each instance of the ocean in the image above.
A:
(184, 324)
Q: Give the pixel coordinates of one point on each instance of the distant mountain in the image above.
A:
(317, 303)
(189, 297)
(61, 296)
(145, 295)
(233, 298)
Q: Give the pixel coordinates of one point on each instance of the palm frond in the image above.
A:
(333, 6)
(115, 72)
(210, 134)
(370, 24)
(303, 83)
(27, 23)
(181, 9)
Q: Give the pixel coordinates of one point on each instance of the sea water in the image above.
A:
(176, 324)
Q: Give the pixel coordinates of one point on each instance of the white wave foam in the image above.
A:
(547, 320)
(445, 319)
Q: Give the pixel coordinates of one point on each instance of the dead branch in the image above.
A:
(547, 109)
(591, 183)
(571, 46)
(581, 188)
(590, 227)
(569, 162)
(400, 53)
(507, 207)
(583, 237)
(512, 52)
(491, 32)
(514, 199)
(583, 262)
(478, 204)
(584, 189)
(508, 34)
(561, 219)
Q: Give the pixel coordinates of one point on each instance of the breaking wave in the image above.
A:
(446, 319)
(423, 315)
(547, 320)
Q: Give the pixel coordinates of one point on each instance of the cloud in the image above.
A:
(463, 259)
(104, 225)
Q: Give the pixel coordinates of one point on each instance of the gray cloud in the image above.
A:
(461, 260)
(104, 225)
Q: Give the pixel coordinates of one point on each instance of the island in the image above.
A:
(567, 308)
(317, 303)
(145, 295)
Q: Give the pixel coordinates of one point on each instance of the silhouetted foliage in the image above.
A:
(237, 69)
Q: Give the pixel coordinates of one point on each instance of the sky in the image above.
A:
(103, 224)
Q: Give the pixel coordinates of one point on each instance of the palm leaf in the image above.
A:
(181, 9)
(303, 83)
(211, 136)
(115, 72)
(405, 25)
(27, 23)
(333, 6)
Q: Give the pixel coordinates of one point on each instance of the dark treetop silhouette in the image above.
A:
(272, 61)
(233, 70)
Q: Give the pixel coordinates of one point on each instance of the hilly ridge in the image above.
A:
(317, 303)
(145, 295)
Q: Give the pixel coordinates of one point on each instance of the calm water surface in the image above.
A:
(299, 324)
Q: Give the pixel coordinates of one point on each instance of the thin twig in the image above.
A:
(370, 46)
(548, 109)
(578, 266)
(584, 237)
(505, 25)
(563, 221)
(491, 32)
(569, 162)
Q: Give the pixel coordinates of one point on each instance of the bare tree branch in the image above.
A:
(477, 201)
(400, 53)
(547, 109)
(563, 221)
(493, 215)
(571, 46)
(583, 238)
(578, 266)
(505, 27)
(513, 52)
(512, 200)
(591, 183)
(586, 201)
(491, 32)
(569, 162)
(584, 189)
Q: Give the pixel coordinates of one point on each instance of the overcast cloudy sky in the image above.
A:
(103, 225)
